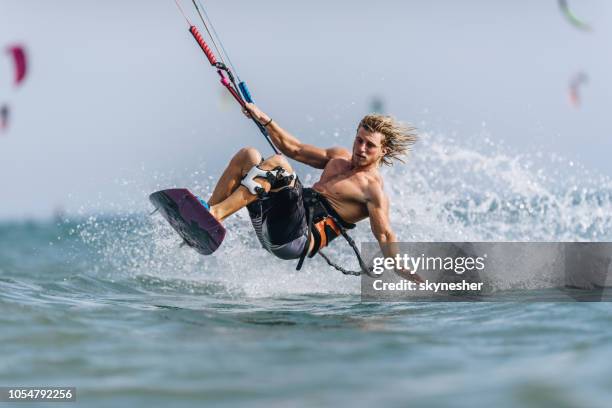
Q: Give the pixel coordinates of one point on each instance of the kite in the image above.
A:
(20, 62)
(577, 81)
(4, 117)
(572, 18)
(377, 105)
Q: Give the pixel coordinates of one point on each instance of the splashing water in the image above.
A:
(447, 192)
(112, 305)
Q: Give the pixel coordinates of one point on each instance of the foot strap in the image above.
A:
(277, 177)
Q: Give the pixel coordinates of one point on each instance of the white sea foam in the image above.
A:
(448, 191)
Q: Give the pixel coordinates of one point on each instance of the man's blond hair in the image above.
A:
(397, 137)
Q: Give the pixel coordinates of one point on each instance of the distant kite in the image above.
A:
(571, 17)
(4, 117)
(377, 105)
(577, 82)
(20, 62)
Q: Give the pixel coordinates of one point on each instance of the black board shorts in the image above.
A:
(279, 220)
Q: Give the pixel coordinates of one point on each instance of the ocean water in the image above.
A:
(110, 304)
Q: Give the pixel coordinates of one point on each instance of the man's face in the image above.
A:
(367, 148)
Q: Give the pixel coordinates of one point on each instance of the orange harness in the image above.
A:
(324, 225)
(324, 232)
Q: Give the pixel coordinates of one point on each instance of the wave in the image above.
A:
(448, 191)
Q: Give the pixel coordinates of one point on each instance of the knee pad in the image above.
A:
(277, 177)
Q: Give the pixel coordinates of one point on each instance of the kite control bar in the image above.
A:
(219, 65)
(245, 92)
(205, 48)
(240, 92)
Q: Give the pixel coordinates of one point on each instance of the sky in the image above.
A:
(118, 91)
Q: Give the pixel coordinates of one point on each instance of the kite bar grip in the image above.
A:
(198, 37)
(245, 92)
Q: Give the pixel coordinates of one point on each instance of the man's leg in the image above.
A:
(229, 181)
(229, 195)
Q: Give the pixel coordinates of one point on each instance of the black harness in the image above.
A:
(317, 208)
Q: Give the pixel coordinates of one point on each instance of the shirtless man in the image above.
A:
(350, 188)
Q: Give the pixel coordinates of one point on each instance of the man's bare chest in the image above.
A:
(342, 184)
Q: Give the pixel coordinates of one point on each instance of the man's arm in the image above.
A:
(378, 209)
(290, 146)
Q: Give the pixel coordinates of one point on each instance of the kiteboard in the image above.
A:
(190, 219)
